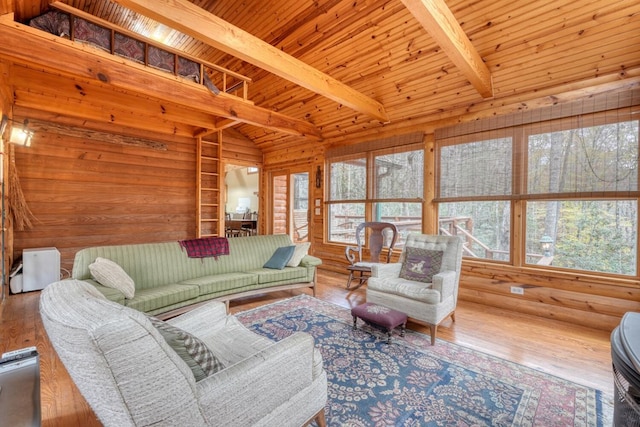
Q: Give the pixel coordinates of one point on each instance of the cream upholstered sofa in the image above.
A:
(428, 301)
(131, 376)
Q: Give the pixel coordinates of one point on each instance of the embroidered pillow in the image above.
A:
(111, 275)
(299, 252)
(420, 265)
(192, 350)
(280, 258)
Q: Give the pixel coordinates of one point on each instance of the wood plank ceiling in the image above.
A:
(379, 48)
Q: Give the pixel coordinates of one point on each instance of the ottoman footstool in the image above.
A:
(381, 316)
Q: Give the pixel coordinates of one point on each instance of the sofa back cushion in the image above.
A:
(153, 264)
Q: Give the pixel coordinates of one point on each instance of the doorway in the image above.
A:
(290, 201)
(241, 199)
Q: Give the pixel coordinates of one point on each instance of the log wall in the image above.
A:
(83, 192)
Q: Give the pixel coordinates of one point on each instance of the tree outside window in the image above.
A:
(575, 180)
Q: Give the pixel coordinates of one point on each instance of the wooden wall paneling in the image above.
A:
(304, 153)
(87, 193)
(580, 317)
(570, 299)
(278, 211)
(237, 147)
(93, 130)
(6, 6)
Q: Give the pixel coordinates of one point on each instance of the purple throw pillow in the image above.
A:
(420, 265)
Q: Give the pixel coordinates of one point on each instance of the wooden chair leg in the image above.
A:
(320, 419)
(433, 329)
(453, 316)
(350, 279)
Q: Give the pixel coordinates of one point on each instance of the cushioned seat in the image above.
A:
(222, 282)
(408, 289)
(267, 275)
(151, 300)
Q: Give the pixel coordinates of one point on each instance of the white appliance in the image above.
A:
(40, 267)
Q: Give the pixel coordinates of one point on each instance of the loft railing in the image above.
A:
(225, 80)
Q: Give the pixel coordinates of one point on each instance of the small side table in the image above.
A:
(381, 316)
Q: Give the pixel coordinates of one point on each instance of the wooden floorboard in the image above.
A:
(575, 353)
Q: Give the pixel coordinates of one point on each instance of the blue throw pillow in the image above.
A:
(280, 257)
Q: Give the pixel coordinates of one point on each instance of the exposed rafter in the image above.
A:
(208, 28)
(441, 24)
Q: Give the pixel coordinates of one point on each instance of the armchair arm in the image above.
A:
(204, 318)
(386, 271)
(246, 392)
(445, 283)
(350, 253)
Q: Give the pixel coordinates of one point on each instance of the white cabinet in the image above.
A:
(40, 267)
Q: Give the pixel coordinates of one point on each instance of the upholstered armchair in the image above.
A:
(380, 234)
(138, 371)
(424, 283)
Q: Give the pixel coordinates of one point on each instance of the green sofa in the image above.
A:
(167, 280)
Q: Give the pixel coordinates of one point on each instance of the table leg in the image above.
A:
(355, 319)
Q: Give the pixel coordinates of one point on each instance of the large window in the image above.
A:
(568, 187)
(384, 184)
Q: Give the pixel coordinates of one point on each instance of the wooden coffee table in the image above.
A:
(381, 316)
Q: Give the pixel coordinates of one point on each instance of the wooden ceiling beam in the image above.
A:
(436, 18)
(208, 28)
(31, 47)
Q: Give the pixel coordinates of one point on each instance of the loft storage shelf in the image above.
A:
(82, 27)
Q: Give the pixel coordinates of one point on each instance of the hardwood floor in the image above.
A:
(572, 352)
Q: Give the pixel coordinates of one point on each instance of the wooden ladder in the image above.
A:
(209, 185)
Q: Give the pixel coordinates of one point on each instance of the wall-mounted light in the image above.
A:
(318, 177)
(20, 134)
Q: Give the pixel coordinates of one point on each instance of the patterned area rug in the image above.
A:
(411, 383)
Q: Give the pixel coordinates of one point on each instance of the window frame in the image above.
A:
(519, 197)
(369, 200)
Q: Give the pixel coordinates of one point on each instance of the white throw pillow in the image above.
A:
(111, 275)
(299, 252)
